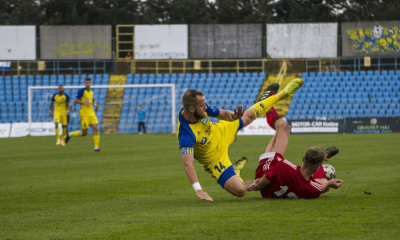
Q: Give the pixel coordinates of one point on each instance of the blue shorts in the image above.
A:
(228, 173)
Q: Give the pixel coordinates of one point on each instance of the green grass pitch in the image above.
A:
(136, 188)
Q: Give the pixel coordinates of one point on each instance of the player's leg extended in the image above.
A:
(57, 134)
(84, 125)
(96, 136)
(280, 140)
(235, 186)
(63, 135)
(265, 105)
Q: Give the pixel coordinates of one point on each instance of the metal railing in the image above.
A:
(270, 66)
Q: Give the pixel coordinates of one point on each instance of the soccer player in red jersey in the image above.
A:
(277, 177)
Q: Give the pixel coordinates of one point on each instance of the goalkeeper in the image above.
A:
(209, 142)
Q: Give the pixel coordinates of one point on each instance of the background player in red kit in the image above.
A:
(277, 177)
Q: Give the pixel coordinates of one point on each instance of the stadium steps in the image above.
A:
(282, 107)
(113, 104)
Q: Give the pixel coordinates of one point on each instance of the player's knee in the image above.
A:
(241, 192)
(282, 125)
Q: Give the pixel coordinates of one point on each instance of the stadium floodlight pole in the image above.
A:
(172, 86)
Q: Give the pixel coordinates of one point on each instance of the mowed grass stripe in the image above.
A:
(136, 188)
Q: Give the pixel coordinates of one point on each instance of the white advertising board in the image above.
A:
(17, 42)
(5, 130)
(258, 127)
(308, 40)
(161, 41)
(37, 129)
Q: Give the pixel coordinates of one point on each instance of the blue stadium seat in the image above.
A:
(304, 75)
(352, 113)
(370, 73)
(391, 73)
(376, 73)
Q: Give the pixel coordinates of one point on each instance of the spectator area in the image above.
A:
(347, 94)
(224, 90)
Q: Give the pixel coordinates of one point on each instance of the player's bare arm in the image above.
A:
(322, 181)
(51, 108)
(187, 160)
(80, 102)
(96, 105)
(334, 183)
(257, 185)
(68, 108)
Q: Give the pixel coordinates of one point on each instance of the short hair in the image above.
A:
(88, 79)
(314, 157)
(190, 98)
(60, 85)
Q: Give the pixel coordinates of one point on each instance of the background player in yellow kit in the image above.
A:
(87, 115)
(208, 142)
(61, 111)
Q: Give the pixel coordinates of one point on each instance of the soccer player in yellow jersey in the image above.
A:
(61, 111)
(208, 142)
(87, 115)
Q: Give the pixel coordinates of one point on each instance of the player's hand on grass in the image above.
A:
(203, 195)
(239, 113)
(335, 183)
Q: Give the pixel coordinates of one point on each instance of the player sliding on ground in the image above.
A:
(209, 142)
(276, 177)
(61, 111)
(87, 115)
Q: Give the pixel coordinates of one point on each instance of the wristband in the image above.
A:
(196, 186)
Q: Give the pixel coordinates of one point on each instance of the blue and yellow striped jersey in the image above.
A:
(86, 96)
(200, 138)
(60, 103)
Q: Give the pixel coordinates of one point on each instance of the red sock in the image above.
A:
(271, 117)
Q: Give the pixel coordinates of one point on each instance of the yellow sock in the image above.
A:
(57, 134)
(238, 174)
(76, 134)
(64, 133)
(96, 139)
(265, 105)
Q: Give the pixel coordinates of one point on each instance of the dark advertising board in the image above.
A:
(225, 41)
(372, 125)
(316, 126)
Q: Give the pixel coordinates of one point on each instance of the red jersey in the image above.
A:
(286, 179)
(320, 173)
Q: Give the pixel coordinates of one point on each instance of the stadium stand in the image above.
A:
(347, 94)
(324, 95)
(225, 90)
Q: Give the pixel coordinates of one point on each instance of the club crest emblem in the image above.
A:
(205, 120)
(203, 141)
